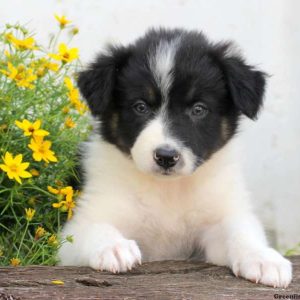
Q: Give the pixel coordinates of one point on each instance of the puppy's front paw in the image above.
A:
(117, 256)
(265, 266)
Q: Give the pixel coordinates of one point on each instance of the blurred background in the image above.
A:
(267, 32)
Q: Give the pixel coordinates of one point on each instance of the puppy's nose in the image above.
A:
(166, 157)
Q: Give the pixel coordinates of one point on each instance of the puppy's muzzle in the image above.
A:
(166, 157)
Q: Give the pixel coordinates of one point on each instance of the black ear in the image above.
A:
(246, 84)
(97, 83)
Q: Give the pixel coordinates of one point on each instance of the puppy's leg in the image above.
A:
(100, 246)
(239, 242)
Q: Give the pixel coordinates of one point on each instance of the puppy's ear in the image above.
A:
(246, 84)
(97, 82)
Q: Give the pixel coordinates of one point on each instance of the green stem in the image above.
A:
(22, 239)
(10, 231)
(56, 39)
(39, 190)
(9, 203)
(4, 190)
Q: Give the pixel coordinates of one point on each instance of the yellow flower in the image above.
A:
(32, 201)
(65, 205)
(53, 240)
(26, 44)
(81, 107)
(15, 262)
(65, 197)
(64, 54)
(69, 238)
(75, 30)
(62, 21)
(3, 127)
(40, 72)
(14, 167)
(34, 172)
(54, 191)
(69, 123)
(22, 76)
(39, 232)
(73, 92)
(58, 282)
(7, 54)
(42, 65)
(41, 150)
(31, 129)
(65, 110)
(74, 96)
(29, 214)
(68, 83)
(65, 191)
(51, 66)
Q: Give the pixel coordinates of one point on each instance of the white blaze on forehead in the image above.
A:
(162, 63)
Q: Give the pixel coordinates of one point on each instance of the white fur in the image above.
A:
(155, 135)
(167, 218)
(161, 64)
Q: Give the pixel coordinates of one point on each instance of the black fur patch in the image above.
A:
(206, 73)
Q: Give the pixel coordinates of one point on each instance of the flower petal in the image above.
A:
(18, 159)
(24, 165)
(19, 124)
(37, 156)
(18, 179)
(52, 158)
(62, 48)
(26, 123)
(41, 132)
(4, 168)
(54, 56)
(8, 158)
(52, 190)
(37, 124)
(10, 174)
(47, 144)
(25, 174)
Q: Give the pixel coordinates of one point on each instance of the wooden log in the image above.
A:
(156, 280)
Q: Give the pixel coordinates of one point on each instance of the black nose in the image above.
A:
(166, 157)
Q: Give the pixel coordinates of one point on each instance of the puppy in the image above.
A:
(162, 179)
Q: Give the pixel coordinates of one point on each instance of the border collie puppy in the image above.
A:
(161, 176)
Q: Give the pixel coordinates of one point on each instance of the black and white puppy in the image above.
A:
(161, 176)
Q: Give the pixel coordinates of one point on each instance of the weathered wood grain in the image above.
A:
(157, 280)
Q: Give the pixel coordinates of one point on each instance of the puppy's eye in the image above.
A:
(141, 107)
(199, 110)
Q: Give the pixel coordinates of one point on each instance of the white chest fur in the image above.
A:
(155, 211)
(125, 216)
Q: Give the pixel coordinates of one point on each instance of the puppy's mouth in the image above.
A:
(161, 172)
(167, 172)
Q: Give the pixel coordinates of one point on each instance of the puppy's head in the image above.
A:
(171, 99)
